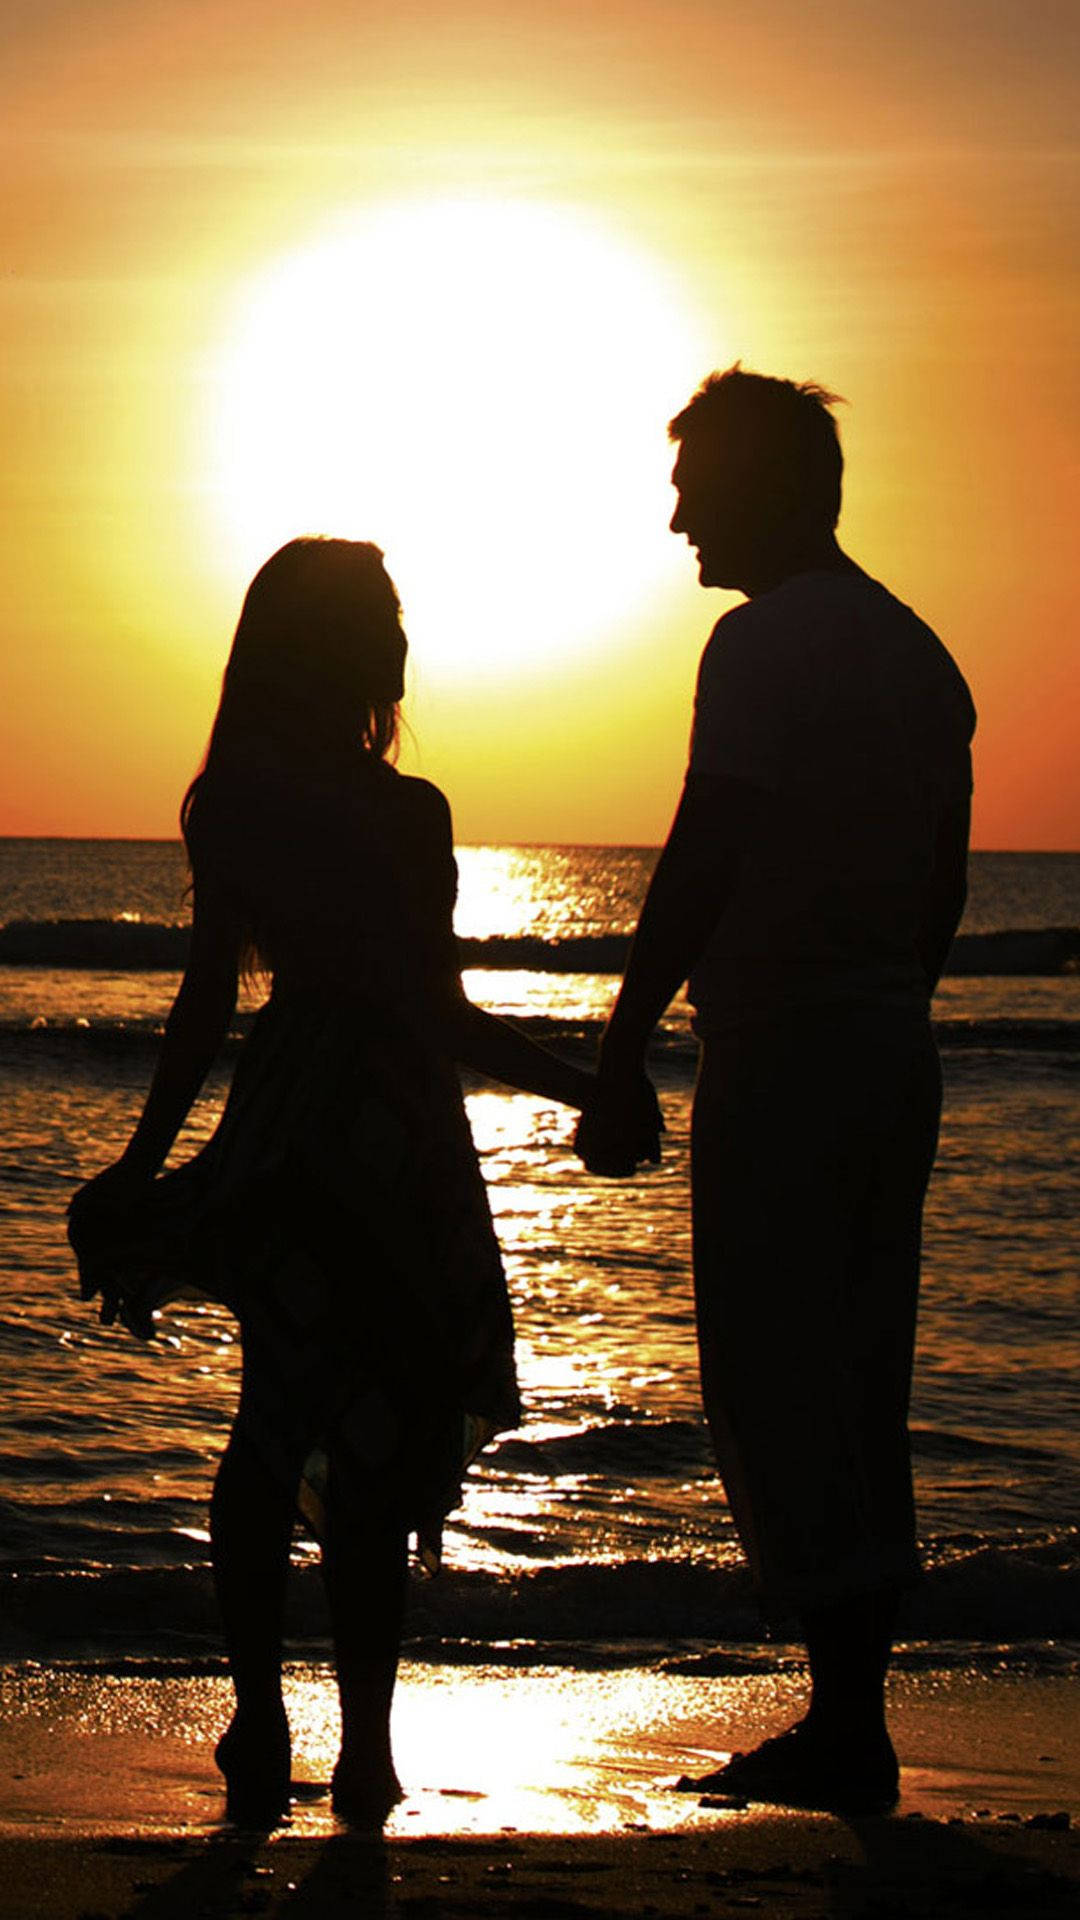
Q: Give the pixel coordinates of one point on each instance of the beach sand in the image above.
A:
(539, 1791)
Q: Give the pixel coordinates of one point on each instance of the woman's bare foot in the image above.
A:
(255, 1756)
(364, 1792)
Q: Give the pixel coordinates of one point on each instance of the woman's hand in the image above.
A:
(102, 1204)
(113, 1191)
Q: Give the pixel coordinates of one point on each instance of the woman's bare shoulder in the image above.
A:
(425, 803)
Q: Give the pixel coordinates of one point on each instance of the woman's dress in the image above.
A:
(339, 1208)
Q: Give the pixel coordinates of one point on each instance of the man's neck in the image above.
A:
(818, 554)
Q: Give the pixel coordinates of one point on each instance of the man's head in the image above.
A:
(757, 476)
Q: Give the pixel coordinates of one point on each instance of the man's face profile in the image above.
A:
(718, 509)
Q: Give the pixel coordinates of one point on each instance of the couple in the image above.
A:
(809, 888)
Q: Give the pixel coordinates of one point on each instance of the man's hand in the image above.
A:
(621, 1127)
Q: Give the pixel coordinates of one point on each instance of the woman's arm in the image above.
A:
(473, 1037)
(194, 1032)
(488, 1045)
(469, 1033)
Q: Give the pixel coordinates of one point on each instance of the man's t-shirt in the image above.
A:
(847, 715)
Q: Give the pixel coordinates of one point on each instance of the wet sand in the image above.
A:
(534, 1791)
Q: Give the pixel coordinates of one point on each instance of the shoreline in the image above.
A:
(540, 1791)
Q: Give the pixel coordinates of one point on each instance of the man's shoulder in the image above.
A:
(824, 650)
(917, 655)
(745, 635)
(806, 617)
(768, 635)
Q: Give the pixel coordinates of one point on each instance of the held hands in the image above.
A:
(622, 1125)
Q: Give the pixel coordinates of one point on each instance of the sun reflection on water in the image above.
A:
(549, 892)
(538, 1751)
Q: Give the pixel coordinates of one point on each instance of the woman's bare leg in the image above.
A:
(251, 1523)
(364, 1568)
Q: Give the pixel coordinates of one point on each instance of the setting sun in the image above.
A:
(439, 277)
(481, 385)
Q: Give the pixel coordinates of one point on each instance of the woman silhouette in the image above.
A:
(338, 1209)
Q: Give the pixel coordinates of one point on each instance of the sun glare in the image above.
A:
(482, 386)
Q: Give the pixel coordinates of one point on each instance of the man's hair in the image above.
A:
(785, 423)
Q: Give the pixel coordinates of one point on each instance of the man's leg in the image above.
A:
(809, 1168)
(849, 1644)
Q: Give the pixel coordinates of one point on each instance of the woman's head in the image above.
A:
(319, 652)
(314, 673)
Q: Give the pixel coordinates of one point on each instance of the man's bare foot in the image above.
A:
(364, 1793)
(800, 1768)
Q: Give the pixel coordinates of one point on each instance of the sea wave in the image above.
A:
(70, 1042)
(628, 1448)
(686, 1615)
(146, 946)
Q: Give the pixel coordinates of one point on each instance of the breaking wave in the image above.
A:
(141, 946)
(979, 1601)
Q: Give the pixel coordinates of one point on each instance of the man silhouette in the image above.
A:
(810, 888)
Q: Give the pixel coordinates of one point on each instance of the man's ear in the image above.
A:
(781, 493)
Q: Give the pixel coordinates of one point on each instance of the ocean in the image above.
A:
(598, 1534)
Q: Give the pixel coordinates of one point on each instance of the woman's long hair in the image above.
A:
(316, 666)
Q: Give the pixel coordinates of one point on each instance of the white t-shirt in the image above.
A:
(846, 713)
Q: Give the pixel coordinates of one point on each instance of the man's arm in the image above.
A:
(689, 890)
(944, 903)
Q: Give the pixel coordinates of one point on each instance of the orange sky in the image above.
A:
(882, 200)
